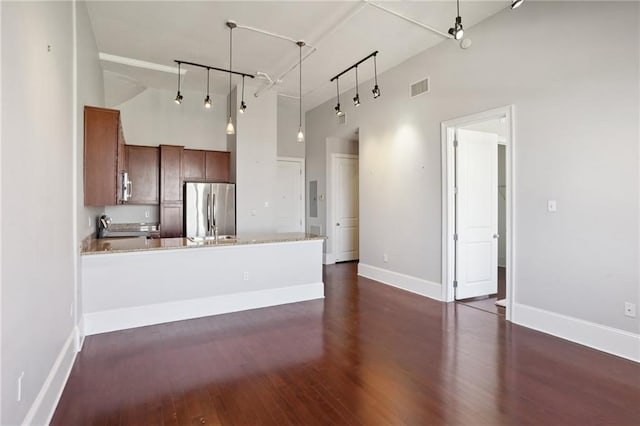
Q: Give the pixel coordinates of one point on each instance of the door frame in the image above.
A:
(331, 204)
(448, 212)
(303, 180)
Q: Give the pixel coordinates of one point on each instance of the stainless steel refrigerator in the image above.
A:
(207, 205)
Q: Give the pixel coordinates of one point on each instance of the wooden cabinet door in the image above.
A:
(143, 165)
(193, 165)
(101, 132)
(170, 220)
(171, 174)
(217, 166)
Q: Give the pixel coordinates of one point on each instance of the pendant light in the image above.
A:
(356, 98)
(230, 129)
(516, 4)
(243, 106)
(300, 137)
(457, 31)
(207, 100)
(178, 98)
(339, 112)
(376, 89)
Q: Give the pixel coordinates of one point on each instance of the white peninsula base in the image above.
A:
(122, 290)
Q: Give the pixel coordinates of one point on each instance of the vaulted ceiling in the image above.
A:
(340, 33)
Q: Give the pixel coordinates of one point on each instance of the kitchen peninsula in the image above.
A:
(135, 282)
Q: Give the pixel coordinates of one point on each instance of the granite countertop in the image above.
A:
(125, 245)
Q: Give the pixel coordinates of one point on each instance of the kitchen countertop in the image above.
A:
(125, 245)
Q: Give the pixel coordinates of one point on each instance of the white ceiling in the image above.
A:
(343, 32)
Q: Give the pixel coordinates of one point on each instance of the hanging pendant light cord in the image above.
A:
(300, 91)
(458, 6)
(338, 89)
(230, 67)
(243, 88)
(356, 81)
(178, 77)
(207, 81)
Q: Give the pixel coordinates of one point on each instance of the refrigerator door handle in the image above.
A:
(208, 214)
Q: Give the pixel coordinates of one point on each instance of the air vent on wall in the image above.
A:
(419, 87)
(342, 119)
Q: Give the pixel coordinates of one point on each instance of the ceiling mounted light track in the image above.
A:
(300, 137)
(356, 99)
(457, 31)
(516, 4)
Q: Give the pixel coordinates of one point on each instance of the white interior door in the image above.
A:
(346, 231)
(476, 214)
(289, 196)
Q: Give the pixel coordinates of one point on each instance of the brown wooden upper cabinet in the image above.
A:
(104, 157)
(143, 166)
(171, 179)
(210, 166)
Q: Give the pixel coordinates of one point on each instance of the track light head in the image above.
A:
(207, 102)
(356, 100)
(178, 98)
(243, 107)
(376, 91)
(338, 110)
(516, 3)
(457, 31)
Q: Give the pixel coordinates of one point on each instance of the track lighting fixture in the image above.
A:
(356, 98)
(300, 137)
(178, 98)
(516, 3)
(376, 89)
(243, 106)
(230, 129)
(339, 112)
(207, 100)
(457, 31)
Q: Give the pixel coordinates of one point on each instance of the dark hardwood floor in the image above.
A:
(367, 354)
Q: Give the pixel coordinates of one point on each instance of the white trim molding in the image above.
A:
(402, 281)
(328, 259)
(43, 407)
(140, 316)
(607, 339)
(447, 130)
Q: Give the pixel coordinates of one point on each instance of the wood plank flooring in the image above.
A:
(368, 354)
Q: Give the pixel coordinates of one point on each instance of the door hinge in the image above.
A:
(455, 284)
(455, 237)
(455, 143)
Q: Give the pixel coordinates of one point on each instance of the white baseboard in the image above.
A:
(607, 339)
(140, 316)
(43, 407)
(328, 259)
(405, 282)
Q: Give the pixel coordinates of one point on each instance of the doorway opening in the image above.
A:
(478, 210)
(290, 178)
(343, 215)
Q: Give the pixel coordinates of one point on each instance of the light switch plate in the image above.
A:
(552, 206)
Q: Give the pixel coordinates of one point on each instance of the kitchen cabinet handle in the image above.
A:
(130, 185)
(208, 213)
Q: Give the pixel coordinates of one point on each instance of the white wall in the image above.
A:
(90, 91)
(152, 118)
(575, 93)
(288, 123)
(37, 170)
(255, 155)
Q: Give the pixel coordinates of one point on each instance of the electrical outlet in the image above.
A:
(630, 309)
(385, 258)
(89, 222)
(552, 206)
(146, 214)
(245, 276)
(19, 396)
